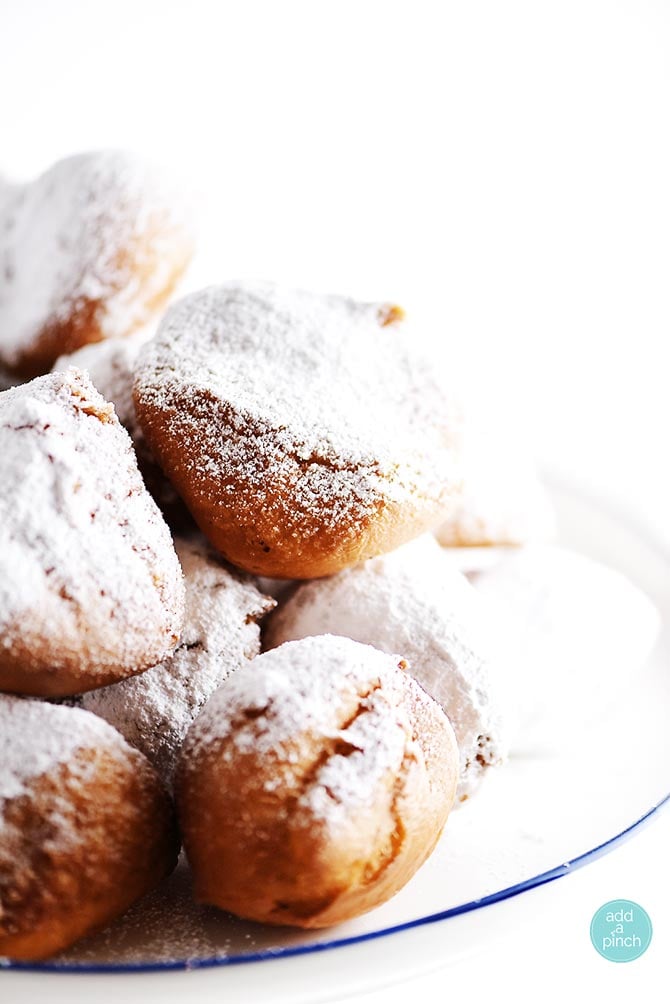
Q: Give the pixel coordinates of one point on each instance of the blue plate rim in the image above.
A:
(559, 871)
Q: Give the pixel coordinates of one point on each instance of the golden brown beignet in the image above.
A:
(90, 250)
(314, 784)
(86, 826)
(303, 432)
(91, 590)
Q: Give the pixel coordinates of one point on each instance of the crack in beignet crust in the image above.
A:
(414, 602)
(314, 784)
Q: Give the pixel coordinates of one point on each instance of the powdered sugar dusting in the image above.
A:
(315, 402)
(102, 228)
(36, 737)
(88, 573)
(412, 602)
(377, 743)
(154, 710)
(305, 688)
(165, 925)
(111, 367)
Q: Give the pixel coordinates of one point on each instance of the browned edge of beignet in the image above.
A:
(258, 851)
(252, 536)
(83, 843)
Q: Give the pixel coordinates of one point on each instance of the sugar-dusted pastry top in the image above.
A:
(321, 687)
(111, 366)
(89, 250)
(314, 783)
(36, 738)
(90, 585)
(311, 414)
(221, 633)
(414, 603)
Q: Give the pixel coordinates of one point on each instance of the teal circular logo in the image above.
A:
(621, 930)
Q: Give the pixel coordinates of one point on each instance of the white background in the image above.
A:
(502, 169)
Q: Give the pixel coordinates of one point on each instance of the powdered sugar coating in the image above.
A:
(165, 925)
(100, 228)
(88, 575)
(111, 367)
(36, 737)
(381, 739)
(154, 710)
(294, 687)
(315, 405)
(413, 603)
(300, 690)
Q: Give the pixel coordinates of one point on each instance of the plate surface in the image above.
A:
(531, 822)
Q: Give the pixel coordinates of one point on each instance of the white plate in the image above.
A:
(532, 822)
